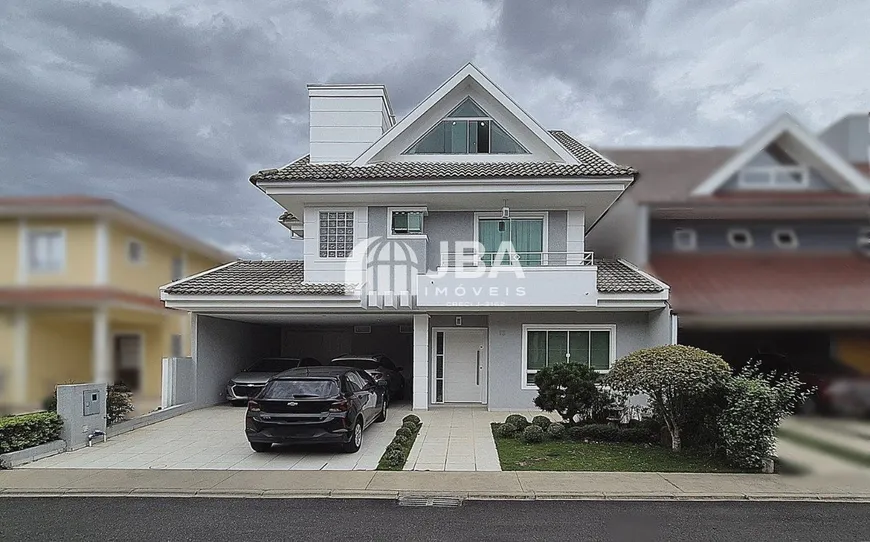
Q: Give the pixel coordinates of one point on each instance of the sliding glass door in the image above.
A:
(525, 234)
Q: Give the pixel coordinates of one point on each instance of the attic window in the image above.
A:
(685, 239)
(740, 238)
(468, 129)
(774, 178)
(785, 238)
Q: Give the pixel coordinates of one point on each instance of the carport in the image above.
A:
(225, 344)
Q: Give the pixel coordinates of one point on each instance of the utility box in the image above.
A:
(83, 410)
(91, 403)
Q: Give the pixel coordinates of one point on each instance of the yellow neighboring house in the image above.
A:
(79, 298)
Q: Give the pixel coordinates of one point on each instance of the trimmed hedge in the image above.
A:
(505, 430)
(542, 421)
(532, 434)
(556, 431)
(28, 430)
(397, 451)
(517, 420)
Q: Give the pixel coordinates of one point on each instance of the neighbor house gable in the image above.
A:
(795, 141)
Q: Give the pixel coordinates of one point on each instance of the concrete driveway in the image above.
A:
(213, 438)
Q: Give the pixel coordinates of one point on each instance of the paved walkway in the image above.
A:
(214, 439)
(458, 439)
(463, 485)
(847, 434)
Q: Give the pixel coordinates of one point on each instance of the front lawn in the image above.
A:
(568, 455)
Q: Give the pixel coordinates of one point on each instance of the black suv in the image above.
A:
(315, 405)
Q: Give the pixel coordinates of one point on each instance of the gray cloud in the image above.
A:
(169, 107)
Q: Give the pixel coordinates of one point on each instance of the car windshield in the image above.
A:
(300, 389)
(364, 364)
(272, 365)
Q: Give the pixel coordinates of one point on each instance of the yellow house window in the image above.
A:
(46, 251)
(135, 251)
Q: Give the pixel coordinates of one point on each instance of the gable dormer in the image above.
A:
(467, 119)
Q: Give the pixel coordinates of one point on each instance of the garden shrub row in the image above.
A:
(28, 430)
(539, 430)
(397, 452)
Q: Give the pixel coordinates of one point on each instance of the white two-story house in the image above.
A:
(452, 241)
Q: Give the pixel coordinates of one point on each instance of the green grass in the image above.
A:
(855, 456)
(568, 455)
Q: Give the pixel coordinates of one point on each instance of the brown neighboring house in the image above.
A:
(766, 246)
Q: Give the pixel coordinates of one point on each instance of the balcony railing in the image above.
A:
(452, 260)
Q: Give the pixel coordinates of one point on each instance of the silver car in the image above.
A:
(248, 383)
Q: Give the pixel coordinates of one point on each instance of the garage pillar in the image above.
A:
(421, 362)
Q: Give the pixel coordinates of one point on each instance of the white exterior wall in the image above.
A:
(319, 269)
(346, 120)
(421, 362)
(576, 235)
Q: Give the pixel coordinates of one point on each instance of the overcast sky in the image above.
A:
(169, 106)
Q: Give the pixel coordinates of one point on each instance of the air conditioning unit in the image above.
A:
(406, 328)
(362, 329)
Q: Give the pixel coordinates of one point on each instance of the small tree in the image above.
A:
(757, 404)
(570, 390)
(668, 374)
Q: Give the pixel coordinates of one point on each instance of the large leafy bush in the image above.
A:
(757, 404)
(669, 375)
(28, 430)
(570, 390)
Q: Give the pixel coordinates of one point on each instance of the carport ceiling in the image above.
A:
(319, 319)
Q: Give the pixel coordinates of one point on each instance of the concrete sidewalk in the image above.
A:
(464, 485)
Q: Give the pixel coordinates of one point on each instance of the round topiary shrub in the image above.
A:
(395, 447)
(404, 431)
(394, 459)
(411, 418)
(532, 434)
(517, 420)
(506, 430)
(576, 432)
(556, 431)
(542, 421)
(411, 426)
(401, 440)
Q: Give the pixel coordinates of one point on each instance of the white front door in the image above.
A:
(465, 366)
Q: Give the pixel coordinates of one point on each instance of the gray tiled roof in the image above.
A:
(591, 165)
(616, 277)
(269, 277)
(281, 277)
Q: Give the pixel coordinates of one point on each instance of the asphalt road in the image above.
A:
(130, 519)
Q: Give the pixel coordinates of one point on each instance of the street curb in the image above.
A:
(393, 495)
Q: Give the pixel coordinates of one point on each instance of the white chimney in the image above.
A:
(346, 119)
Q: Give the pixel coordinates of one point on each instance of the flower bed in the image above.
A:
(396, 454)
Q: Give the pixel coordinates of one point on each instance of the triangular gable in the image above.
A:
(797, 141)
(448, 96)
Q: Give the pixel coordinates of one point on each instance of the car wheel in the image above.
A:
(382, 417)
(261, 446)
(356, 438)
(239, 403)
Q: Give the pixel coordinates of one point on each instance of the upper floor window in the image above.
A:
(685, 239)
(408, 222)
(135, 251)
(785, 238)
(46, 251)
(468, 129)
(774, 177)
(336, 234)
(177, 268)
(740, 238)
